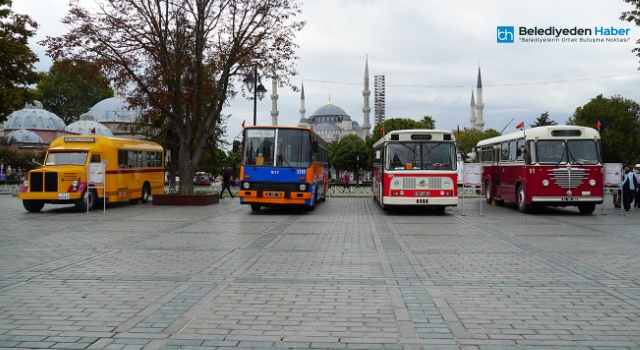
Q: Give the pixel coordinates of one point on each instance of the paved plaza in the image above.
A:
(345, 276)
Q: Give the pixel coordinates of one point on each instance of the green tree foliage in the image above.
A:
(20, 160)
(543, 120)
(17, 70)
(467, 139)
(71, 88)
(428, 122)
(186, 58)
(620, 123)
(343, 154)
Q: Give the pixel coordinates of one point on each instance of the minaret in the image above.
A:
(274, 102)
(472, 119)
(479, 104)
(366, 93)
(303, 111)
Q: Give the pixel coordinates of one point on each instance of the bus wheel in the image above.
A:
(255, 207)
(440, 209)
(587, 208)
(33, 206)
(145, 193)
(522, 200)
(487, 191)
(81, 204)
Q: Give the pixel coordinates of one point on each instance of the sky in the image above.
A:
(429, 52)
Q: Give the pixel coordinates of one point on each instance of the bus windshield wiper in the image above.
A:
(286, 161)
(579, 161)
(562, 155)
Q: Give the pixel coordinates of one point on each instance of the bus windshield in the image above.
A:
(573, 151)
(421, 156)
(292, 148)
(66, 158)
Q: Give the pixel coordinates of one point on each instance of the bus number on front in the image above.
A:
(301, 171)
(532, 171)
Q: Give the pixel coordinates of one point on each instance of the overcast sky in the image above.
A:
(429, 52)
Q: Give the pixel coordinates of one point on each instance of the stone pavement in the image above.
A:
(345, 276)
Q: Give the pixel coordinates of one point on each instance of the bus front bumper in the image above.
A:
(273, 197)
(431, 201)
(567, 200)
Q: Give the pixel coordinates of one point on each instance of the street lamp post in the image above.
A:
(252, 81)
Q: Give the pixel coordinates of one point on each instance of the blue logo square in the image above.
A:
(506, 34)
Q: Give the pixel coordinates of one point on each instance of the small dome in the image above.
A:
(114, 109)
(86, 124)
(33, 117)
(23, 135)
(325, 127)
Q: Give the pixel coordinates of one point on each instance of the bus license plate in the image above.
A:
(63, 196)
(569, 199)
(421, 193)
(273, 194)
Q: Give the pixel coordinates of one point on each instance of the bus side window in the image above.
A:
(95, 158)
(531, 153)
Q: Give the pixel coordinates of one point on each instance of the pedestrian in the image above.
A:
(629, 187)
(226, 179)
(3, 177)
(636, 174)
(346, 178)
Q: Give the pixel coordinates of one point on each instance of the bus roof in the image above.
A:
(91, 141)
(547, 133)
(406, 135)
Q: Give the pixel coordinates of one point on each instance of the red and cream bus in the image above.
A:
(558, 165)
(415, 168)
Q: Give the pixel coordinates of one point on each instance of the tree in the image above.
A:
(183, 56)
(543, 120)
(343, 154)
(467, 139)
(17, 70)
(71, 88)
(428, 122)
(633, 16)
(619, 120)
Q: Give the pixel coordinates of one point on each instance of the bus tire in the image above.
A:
(146, 191)
(255, 207)
(81, 204)
(521, 199)
(440, 209)
(587, 208)
(487, 191)
(33, 206)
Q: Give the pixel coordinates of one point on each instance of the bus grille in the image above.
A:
(274, 186)
(43, 181)
(431, 183)
(560, 177)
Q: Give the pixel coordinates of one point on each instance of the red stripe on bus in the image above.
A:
(133, 171)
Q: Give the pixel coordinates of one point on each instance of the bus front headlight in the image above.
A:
(302, 187)
(246, 185)
(592, 182)
(545, 182)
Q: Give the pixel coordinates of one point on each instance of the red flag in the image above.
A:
(382, 129)
(520, 126)
(458, 131)
(64, 127)
(93, 131)
(598, 125)
(243, 123)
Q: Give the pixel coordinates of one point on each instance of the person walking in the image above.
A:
(346, 178)
(226, 179)
(636, 174)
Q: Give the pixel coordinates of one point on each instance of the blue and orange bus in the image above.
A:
(283, 165)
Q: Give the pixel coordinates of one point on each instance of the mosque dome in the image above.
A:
(86, 124)
(22, 135)
(33, 117)
(114, 109)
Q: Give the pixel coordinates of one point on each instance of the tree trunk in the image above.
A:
(187, 169)
(174, 165)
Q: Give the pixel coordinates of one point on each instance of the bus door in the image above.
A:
(495, 181)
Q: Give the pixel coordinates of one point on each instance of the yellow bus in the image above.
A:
(134, 170)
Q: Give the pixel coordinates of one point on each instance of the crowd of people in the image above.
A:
(12, 175)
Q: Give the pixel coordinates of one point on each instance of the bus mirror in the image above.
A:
(377, 154)
(314, 146)
(236, 146)
(459, 157)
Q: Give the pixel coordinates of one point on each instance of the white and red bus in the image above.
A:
(415, 168)
(557, 165)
